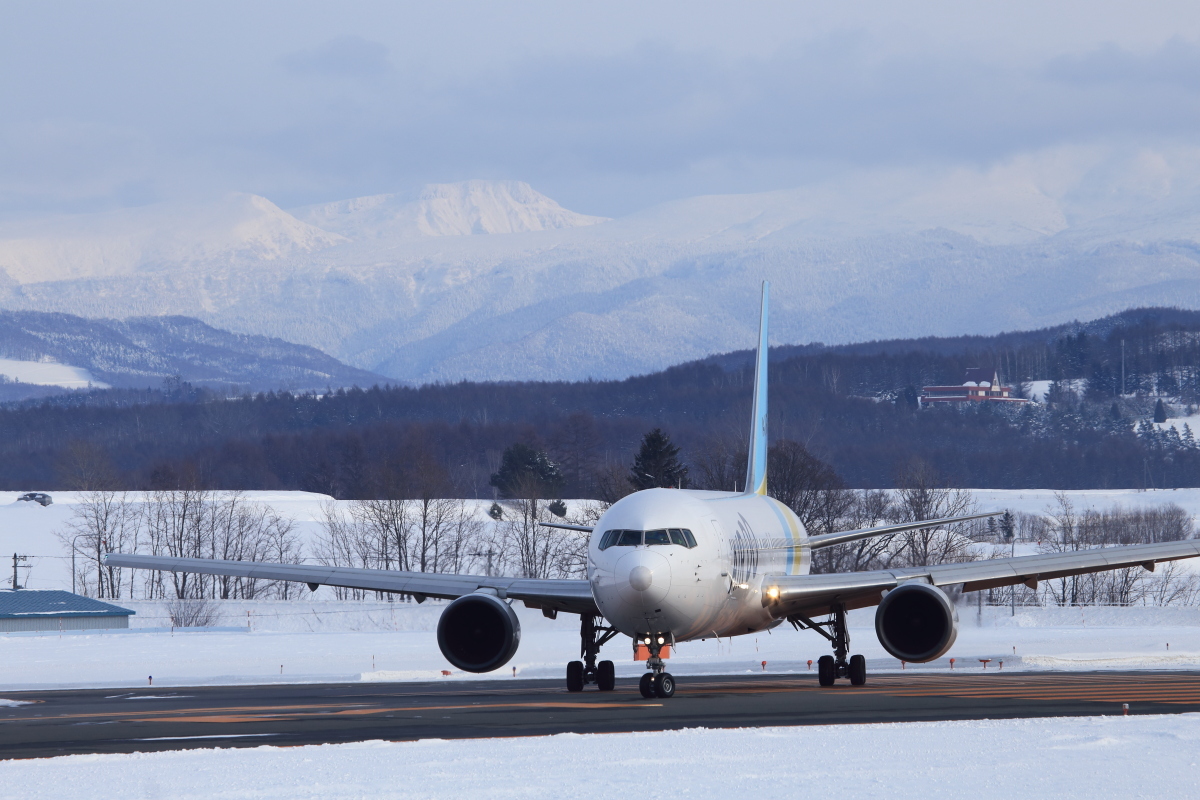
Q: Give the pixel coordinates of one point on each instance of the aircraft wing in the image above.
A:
(571, 596)
(841, 537)
(811, 595)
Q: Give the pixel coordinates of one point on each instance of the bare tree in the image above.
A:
(192, 612)
(85, 466)
(533, 551)
(867, 509)
(103, 521)
(923, 495)
(806, 485)
(719, 464)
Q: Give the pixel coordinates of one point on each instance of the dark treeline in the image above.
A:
(852, 407)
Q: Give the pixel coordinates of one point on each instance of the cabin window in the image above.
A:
(630, 539)
(658, 537)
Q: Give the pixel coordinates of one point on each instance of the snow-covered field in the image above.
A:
(375, 643)
(1126, 757)
(43, 373)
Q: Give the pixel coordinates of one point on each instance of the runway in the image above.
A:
(122, 721)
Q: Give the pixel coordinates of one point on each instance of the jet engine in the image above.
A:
(916, 622)
(478, 632)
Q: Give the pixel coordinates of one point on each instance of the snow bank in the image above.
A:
(1063, 757)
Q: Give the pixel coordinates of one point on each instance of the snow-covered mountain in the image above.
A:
(445, 209)
(396, 285)
(236, 229)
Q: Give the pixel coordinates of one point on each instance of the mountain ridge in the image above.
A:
(144, 351)
(889, 254)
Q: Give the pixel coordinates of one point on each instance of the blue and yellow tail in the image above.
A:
(756, 468)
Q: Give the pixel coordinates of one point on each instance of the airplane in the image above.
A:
(667, 566)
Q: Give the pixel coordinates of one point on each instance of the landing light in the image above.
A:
(661, 640)
(773, 592)
(647, 640)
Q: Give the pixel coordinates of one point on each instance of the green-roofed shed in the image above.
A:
(54, 610)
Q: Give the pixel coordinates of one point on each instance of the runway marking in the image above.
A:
(389, 709)
(209, 736)
(1160, 688)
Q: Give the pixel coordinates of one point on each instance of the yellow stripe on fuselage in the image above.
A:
(793, 532)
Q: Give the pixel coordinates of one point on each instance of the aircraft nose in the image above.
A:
(641, 578)
(647, 577)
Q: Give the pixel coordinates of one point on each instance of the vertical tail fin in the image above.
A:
(756, 467)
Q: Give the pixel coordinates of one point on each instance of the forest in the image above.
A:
(851, 409)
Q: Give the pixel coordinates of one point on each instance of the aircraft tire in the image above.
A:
(826, 671)
(646, 686)
(574, 676)
(664, 687)
(606, 676)
(858, 670)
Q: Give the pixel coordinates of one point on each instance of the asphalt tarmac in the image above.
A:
(123, 721)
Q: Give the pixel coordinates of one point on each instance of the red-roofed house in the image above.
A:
(981, 385)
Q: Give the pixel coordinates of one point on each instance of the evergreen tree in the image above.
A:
(527, 473)
(657, 464)
(1160, 411)
(1008, 526)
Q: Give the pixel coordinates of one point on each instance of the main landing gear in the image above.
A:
(581, 673)
(657, 682)
(830, 668)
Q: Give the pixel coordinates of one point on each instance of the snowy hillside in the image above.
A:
(75, 353)
(395, 285)
(447, 209)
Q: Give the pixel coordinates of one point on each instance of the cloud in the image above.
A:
(1176, 63)
(341, 57)
(606, 112)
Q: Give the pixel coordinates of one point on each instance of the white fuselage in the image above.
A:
(710, 590)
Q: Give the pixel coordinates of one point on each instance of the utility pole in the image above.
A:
(1014, 588)
(16, 560)
(73, 541)
(1009, 530)
(489, 555)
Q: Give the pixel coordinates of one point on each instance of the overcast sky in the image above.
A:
(607, 107)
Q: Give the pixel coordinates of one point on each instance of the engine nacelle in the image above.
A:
(478, 632)
(916, 622)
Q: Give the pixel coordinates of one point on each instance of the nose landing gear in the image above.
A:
(830, 668)
(658, 682)
(581, 673)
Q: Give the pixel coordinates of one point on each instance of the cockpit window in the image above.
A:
(658, 537)
(623, 538)
(630, 539)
